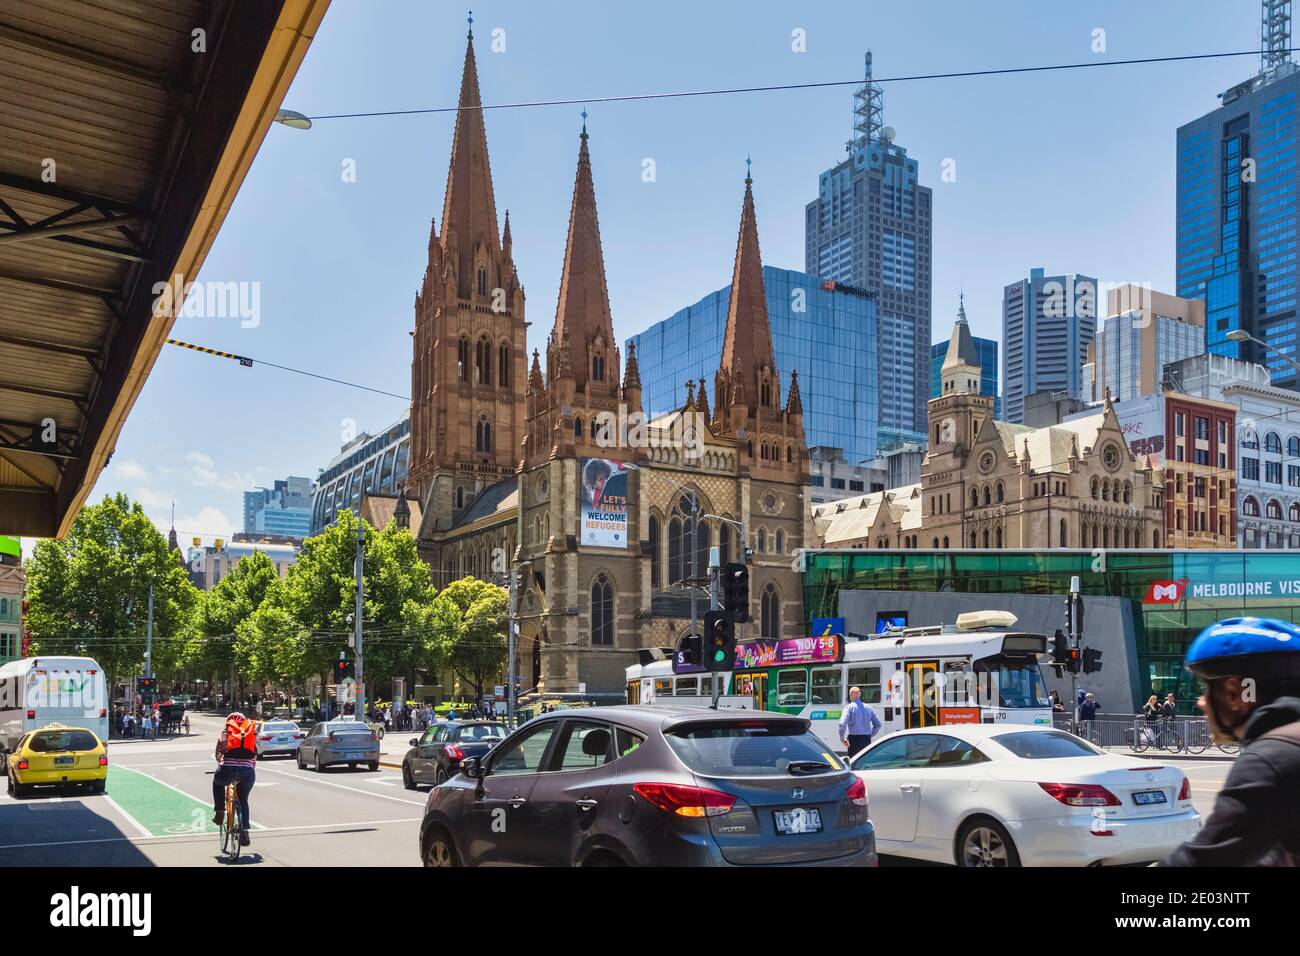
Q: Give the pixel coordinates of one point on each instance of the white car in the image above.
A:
(278, 737)
(1016, 795)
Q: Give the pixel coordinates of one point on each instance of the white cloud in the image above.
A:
(207, 523)
(152, 499)
(129, 471)
(204, 473)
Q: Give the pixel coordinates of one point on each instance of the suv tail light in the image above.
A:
(685, 801)
(858, 792)
(454, 752)
(1185, 791)
(1081, 794)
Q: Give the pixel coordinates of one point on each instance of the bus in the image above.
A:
(37, 691)
(979, 669)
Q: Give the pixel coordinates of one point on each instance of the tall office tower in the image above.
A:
(986, 351)
(1048, 322)
(870, 227)
(1237, 218)
(1143, 331)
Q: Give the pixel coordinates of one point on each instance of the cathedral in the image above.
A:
(547, 468)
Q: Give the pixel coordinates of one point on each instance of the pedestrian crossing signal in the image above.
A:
(344, 670)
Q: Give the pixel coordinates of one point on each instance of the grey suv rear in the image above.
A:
(656, 786)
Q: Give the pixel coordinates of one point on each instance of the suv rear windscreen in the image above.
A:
(751, 748)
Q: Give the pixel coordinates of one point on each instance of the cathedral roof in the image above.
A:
(747, 343)
(961, 347)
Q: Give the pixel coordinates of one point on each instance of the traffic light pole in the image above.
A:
(714, 558)
(360, 567)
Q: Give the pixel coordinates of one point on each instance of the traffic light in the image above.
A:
(344, 670)
(1091, 660)
(146, 687)
(719, 643)
(689, 650)
(1060, 647)
(1072, 661)
(735, 592)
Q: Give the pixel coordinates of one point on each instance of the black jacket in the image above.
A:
(1254, 820)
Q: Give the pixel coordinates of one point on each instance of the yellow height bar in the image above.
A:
(241, 359)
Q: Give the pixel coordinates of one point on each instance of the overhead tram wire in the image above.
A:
(779, 87)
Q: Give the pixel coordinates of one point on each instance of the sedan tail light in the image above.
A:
(299, 736)
(685, 801)
(265, 737)
(1185, 791)
(454, 752)
(858, 792)
(1081, 794)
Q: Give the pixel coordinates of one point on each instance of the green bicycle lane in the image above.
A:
(157, 808)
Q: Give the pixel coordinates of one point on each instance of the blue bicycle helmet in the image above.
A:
(1246, 646)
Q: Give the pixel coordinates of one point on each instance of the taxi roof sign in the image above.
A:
(974, 620)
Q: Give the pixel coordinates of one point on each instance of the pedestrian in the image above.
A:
(1251, 670)
(1055, 698)
(1089, 709)
(1169, 709)
(858, 723)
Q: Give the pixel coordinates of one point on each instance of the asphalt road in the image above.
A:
(157, 811)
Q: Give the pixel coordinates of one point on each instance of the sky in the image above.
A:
(1072, 171)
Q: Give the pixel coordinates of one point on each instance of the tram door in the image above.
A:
(751, 684)
(922, 704)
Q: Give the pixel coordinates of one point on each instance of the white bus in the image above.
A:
(37, 691)
(978, 670)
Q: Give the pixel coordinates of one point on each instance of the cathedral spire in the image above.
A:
(747, 342)
(469, 214)
(582, 315)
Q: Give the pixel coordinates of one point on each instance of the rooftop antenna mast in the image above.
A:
(1274, 34)
(869, 109)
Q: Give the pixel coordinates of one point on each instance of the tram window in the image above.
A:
(664, 687)
(792, 688)
(866, 679)
(706, 685)
(687, 687)
(958, 684)
(826, 688)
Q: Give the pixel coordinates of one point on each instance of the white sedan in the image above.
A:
(278, 737)
(1015, 795)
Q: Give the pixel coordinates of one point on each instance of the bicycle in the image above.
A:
(228, 832)
(1138, 738)
(185, 725)
(1167, 738)
(1198, 737)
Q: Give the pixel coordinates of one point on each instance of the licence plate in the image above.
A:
(64, 761)
(798, 820)
(281, 740)
(354, 756)
(1144, 798)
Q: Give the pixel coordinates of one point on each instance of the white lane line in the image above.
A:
(327, 783)
(126, 816)
(149, 838)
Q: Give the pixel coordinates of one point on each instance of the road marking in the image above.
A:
(129, 819)
(340, 786)
(205, 836)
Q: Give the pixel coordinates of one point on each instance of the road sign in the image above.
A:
(499, 691)
(346, 691)
(582, 688)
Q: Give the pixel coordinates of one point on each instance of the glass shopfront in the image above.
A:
(1175, 594)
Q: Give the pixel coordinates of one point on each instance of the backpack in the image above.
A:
(241, 739)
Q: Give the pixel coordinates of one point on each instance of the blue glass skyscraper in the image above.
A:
(1237, 215)
(827, 334)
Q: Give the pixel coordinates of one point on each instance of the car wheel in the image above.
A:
(352, 766)
(440, 851)
(373, 765)
(319, 765)
(440, 777)
(984, 842)
(407, 780)
(97, 786)
(301, 765)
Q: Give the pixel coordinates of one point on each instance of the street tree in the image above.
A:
(478, 649)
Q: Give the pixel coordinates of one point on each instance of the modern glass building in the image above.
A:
(870, 227)
(1237, 217)
(377, 464)
(1148, 604)
(827, 334)
(284, 509)
(1048, 322)
(987, 350)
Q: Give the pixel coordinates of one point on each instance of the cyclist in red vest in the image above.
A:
(236, 761)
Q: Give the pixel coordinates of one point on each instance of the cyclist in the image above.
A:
(1251, 670)
(236, 761)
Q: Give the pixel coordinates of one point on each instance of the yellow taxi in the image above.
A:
(57, 756)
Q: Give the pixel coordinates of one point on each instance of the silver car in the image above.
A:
(278, 737)
(342, 740)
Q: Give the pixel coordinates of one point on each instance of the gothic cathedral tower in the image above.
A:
(469, 363)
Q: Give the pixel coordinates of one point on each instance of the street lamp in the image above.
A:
(1240, 335)
(292, 118)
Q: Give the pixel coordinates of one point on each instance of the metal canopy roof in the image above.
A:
(122, 145)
